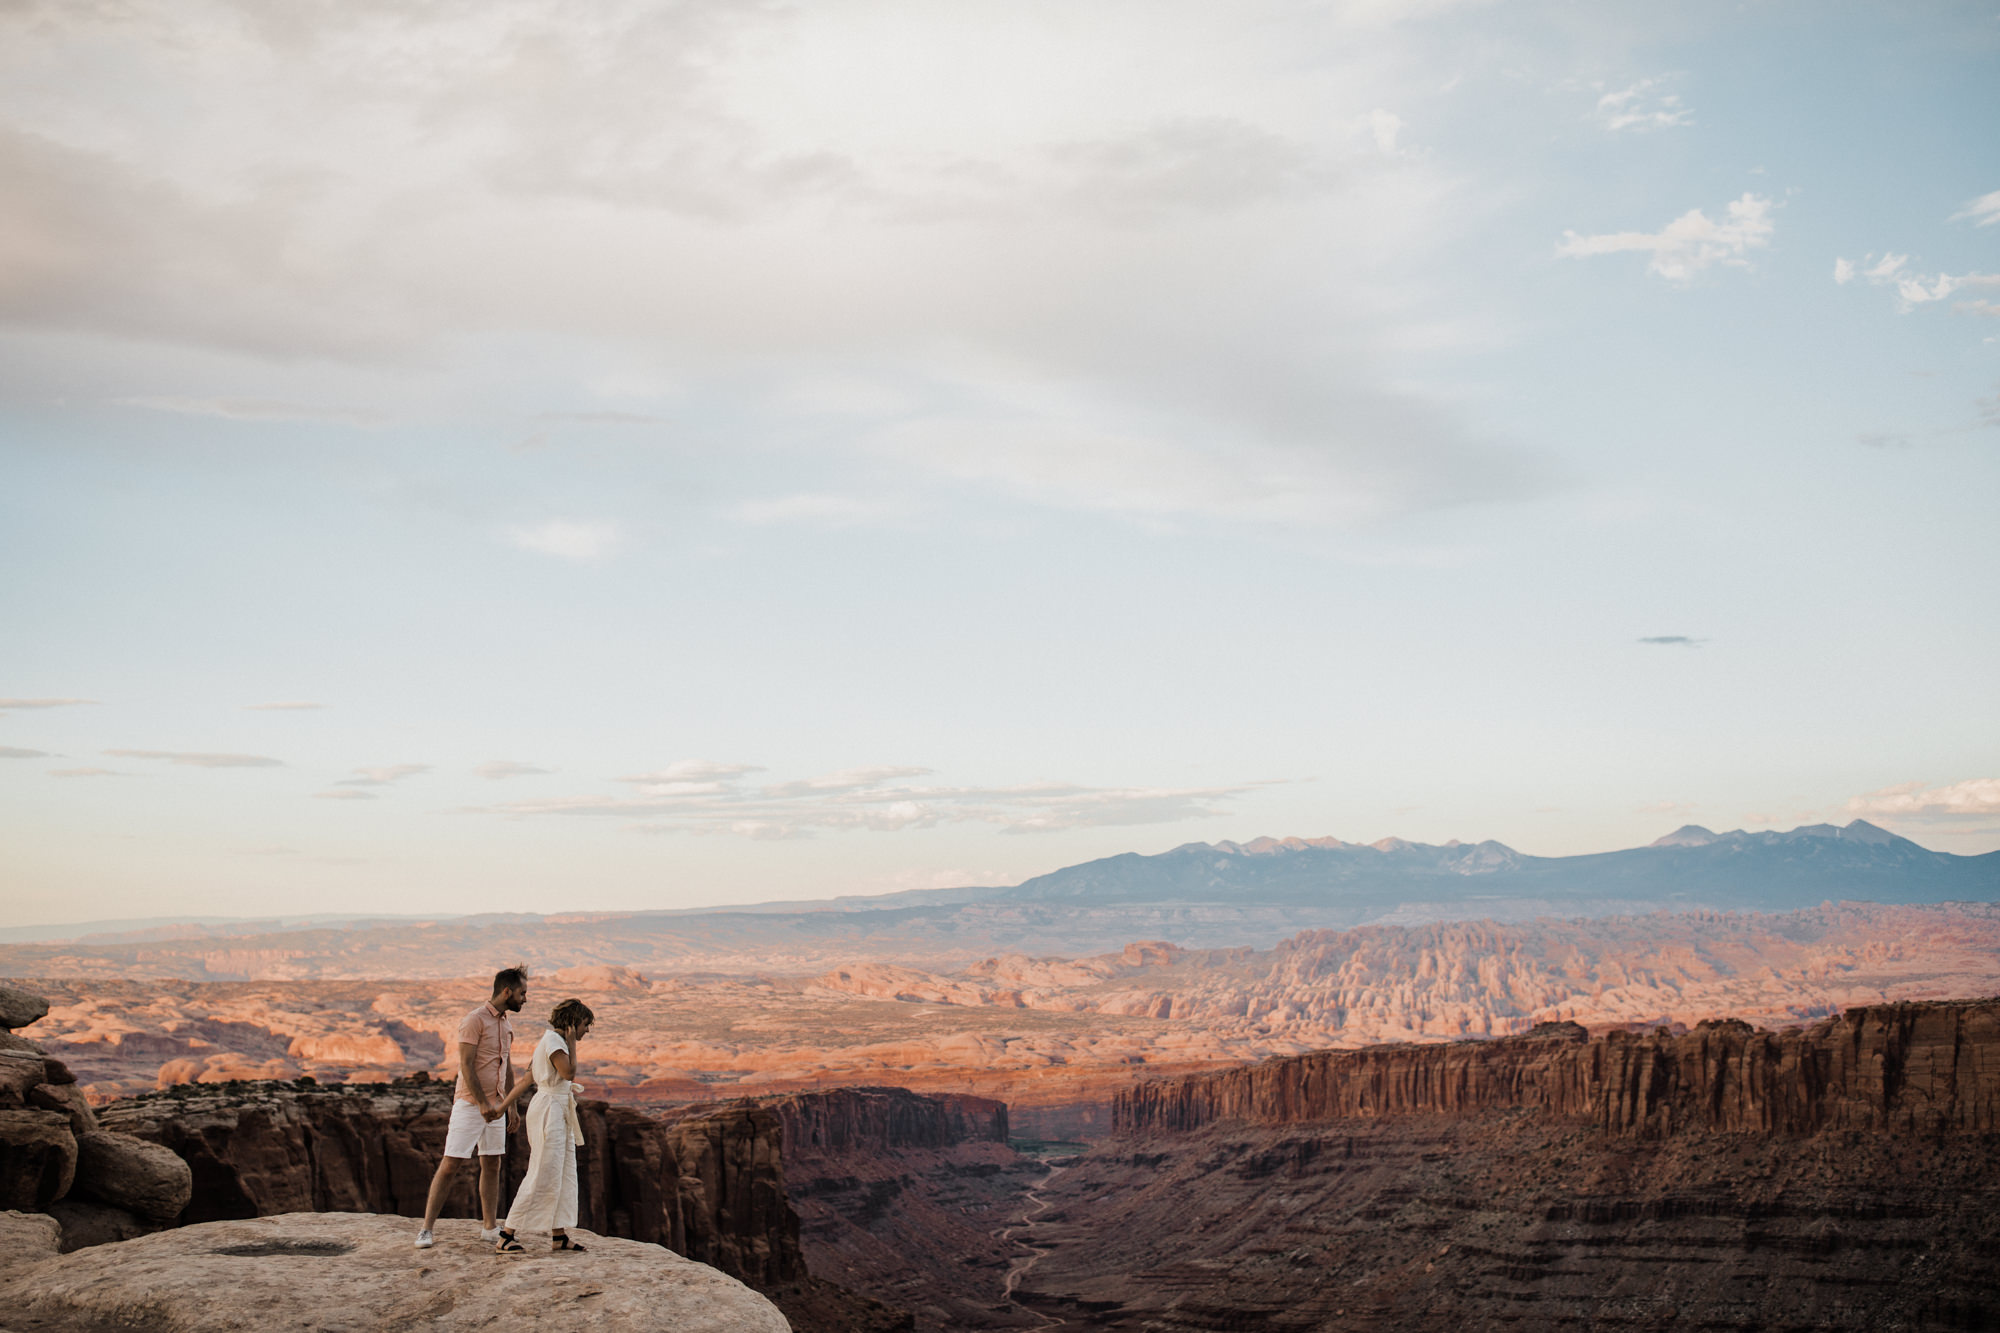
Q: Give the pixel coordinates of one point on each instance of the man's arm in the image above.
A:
(468, 1069)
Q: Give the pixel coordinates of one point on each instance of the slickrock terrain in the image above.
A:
(355, 1271)
(1053, 1037)
(1842, 1176)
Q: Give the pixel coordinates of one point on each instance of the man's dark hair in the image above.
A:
(509, 977)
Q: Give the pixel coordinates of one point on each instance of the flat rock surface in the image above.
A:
(337, 1272)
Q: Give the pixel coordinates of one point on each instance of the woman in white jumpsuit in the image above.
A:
(546, 1200)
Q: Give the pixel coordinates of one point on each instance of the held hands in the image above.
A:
(490, 1111)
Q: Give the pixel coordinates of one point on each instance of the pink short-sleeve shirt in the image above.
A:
(492, 1038)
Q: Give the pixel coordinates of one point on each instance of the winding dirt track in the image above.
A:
(1017, 1270)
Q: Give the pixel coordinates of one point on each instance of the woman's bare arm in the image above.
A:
(521, 1087)
(565, 1066)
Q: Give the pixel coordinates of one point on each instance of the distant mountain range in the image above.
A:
(1200, 895)
(1690, 867)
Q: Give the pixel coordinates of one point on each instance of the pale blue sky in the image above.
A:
(861, 446)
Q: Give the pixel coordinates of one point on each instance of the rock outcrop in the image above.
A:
(133, 1175)
(708, 1184)
(50, 1140)
(37, 1158)
(19, 1008)
(706, 1181)
(353, 1270)
(1919, 1067)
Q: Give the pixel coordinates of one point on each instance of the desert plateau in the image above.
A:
(1742, 1118)
(738, 666)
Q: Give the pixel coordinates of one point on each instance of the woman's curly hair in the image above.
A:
(571, 1015)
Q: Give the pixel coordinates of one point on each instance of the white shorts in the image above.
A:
(469, 1130)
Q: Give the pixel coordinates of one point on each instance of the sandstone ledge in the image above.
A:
(349, 1272)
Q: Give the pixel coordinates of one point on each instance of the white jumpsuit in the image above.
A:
(547, 1198)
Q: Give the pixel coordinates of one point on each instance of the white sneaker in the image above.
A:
(490, 1236)
(424, 1239)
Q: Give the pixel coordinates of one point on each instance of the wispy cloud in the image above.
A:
(11, 705)
(298, 707)
(1643, 106)
(383, 776)
(1673, 640)
(201, 759)
(1974, 796)
(85, 773)
(255, 409)
(16, 752)
(700, 796)
(567, 539)
(1914, 289)
(1690, 243)
(495, 769)
(344, 794)
(1981, 212)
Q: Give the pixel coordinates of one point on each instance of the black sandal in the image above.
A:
(563, 1242)
(508, 1245)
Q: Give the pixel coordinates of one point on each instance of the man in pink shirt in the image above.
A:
(478, 1125)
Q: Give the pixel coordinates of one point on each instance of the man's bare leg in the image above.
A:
(489, 1190)
(441, 1183)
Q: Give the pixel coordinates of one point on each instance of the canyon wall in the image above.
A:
(883, 1119)
(1842, 1176)
(708, 1185)
(899, 1196)
(707, 1182)
(1923, 1067)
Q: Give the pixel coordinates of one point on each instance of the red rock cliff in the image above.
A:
(708, 1183)
(880, 1119)
(1924, 1067)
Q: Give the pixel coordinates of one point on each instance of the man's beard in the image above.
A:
(513, 1004)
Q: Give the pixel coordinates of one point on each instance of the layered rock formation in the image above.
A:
(1844, 1176)
(880, 1120)
(346, 1270)
(53, 1152)
(1923, 1068)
